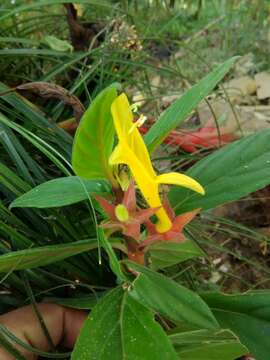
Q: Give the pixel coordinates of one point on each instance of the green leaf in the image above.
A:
(181, 108)
(57, 44)
(227, 174)
(247, 315)
(83, 303)
(35, 120)
(40, 144)
(18, 238)
(44, 3)
(206, 345)
(44, 255)
(12, 181)
(60, 192)
(165, 253)
(120, 328)
(94, 138)
(170, 299)
(114, 262)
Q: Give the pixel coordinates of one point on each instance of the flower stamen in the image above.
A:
(142, 119)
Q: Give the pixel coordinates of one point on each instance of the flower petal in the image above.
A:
(123, 123)
(122, 116)
(118, 156)
(181, 180)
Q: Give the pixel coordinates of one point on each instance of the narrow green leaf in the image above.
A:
(165, 253)
(94, 138)
(12, 181)
(227, 174)
(32, 52)
(83, 303)
(206, 345)
(60, 192)
(114, 262)
(247, 315)
(120, 328)
(10, 39)
(16, 236)
(44, 3)
(15, 151)
(45, 255)
(170, 299)
(26, 110)
(10, 348)
(181, 108)
(40, 144)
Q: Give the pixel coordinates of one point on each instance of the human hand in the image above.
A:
(62, 323)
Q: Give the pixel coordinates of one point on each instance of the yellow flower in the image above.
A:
(131, 150)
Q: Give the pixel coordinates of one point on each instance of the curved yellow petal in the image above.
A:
(118, 155)
(132, 151)
(122, 117)
(127, 134)
(174, 178)
(164, 223)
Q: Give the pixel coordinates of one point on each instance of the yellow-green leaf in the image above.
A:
(94, 138)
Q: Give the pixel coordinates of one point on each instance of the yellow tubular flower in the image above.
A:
(131, 150)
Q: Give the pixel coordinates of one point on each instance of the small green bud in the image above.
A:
(121, 213)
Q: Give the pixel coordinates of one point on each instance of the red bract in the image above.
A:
(175, 234)
(127, 218)
(206, 137)
(130, 224)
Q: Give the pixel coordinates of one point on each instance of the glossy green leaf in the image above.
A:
(165, 253)
(44, 255)
(94, 138)
(247, 315)
(119, 328)
(164, 295)
(60, 192)
(227, 174)
(181, 108)
(208, 345)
